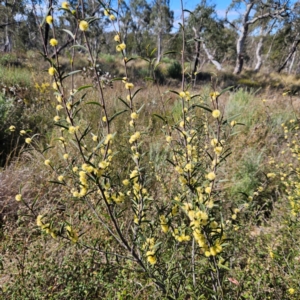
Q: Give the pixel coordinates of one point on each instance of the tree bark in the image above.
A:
(7, 46)
(258, 54)
(211, 58)
(197, 54)
(292, 62)
(240, 46)
(264, 31)
(292, 51)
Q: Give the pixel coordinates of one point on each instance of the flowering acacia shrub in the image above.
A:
(163, 221)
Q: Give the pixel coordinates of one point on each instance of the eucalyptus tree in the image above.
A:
(250, 12)
(162, 18)
(140, 26)
(210, 33)
(12, 14)
(290, 35)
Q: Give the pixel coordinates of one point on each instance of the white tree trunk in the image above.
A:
(258, 55)
(292, 62)
(240, 45)
(211, 58)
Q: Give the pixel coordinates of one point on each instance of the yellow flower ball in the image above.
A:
(53, 42)
(112, 17)
(108, 139)
(39, 220)
(72, 129)
(83, 25)
(66, 156)
(18, 197)
(59, 98)
(134, 115)
(218, 150)
(12, 128)
(60, 178)
(216, 113)
(291, 291)
(65, 5)
(49, 20)
(129, 86)
(22, 132)
(214, 95)
(56, 118)
(51, 71)
(106, 12)
(182, 94)
(211, 176)
(151, 257)
(232, 123)
(117, 38)
(121, 47)
(125, 182)
(28, 140)
(47, 162)
(59, 107)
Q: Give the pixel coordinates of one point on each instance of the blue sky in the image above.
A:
(221, 6)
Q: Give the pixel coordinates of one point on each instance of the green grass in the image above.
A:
(12, 76)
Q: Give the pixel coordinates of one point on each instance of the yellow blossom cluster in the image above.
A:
(49, 20)
(121, 47)
(83, 25)
(217, 146)
(72, 234)
(45, 226)
(65, 5)
(135, 137)
(198, 220)
(18, 197)
(53, 42)
(164, 223)
(214, 95)
(180, 237)
(150, 254)
(185, 95)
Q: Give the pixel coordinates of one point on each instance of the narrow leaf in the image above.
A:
(79, 46)
(69, 33)
(47, 149)
(129, 59)
(153, 51)
(117, 114)
(124, 102)
(136, 92)
(94, 103)
(160, 117)
(174, 92)
(84, 87)
(203, 107)
(71, 73)
(139, 110)
(170, 52)
(57, 182)
(60, 125)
